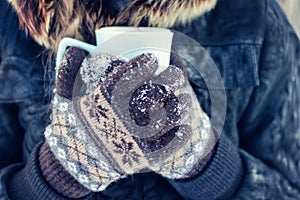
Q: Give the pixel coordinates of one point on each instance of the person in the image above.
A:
(252, 44)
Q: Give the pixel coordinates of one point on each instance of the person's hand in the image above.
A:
(163, 115)
(69, 139)
(130, 121)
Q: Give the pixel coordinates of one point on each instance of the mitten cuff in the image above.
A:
(219, 179)
(29, 183)
(57, 177)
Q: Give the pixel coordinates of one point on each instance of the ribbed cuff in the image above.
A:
(30, 184)
(219, 180)
(57, 177)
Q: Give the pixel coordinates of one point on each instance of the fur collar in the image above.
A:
(48, 21)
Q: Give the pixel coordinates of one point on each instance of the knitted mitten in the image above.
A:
(125, 120)
(67, 137)
(163, 116)
(166, 130)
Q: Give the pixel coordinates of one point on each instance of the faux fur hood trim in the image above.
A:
(48, 21)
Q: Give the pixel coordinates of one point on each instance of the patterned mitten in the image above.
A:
(146, 121)
(68, 138)
(125, 120)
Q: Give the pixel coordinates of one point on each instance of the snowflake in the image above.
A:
(126, 150)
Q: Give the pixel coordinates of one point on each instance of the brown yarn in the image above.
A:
(57, 177)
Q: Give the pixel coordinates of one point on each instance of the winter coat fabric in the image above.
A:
(257, 156)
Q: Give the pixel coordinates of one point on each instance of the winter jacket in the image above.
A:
(257, 155)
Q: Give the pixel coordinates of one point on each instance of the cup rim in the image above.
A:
(122, 29)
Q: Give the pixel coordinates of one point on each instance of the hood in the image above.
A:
(48, 21)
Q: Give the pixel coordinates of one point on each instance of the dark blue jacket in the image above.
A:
(257, 156)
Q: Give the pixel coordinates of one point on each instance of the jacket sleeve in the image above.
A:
(266, 164)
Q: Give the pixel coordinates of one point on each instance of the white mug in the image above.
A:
(126, 42)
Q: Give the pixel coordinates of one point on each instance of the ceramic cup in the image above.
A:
(127, 42)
